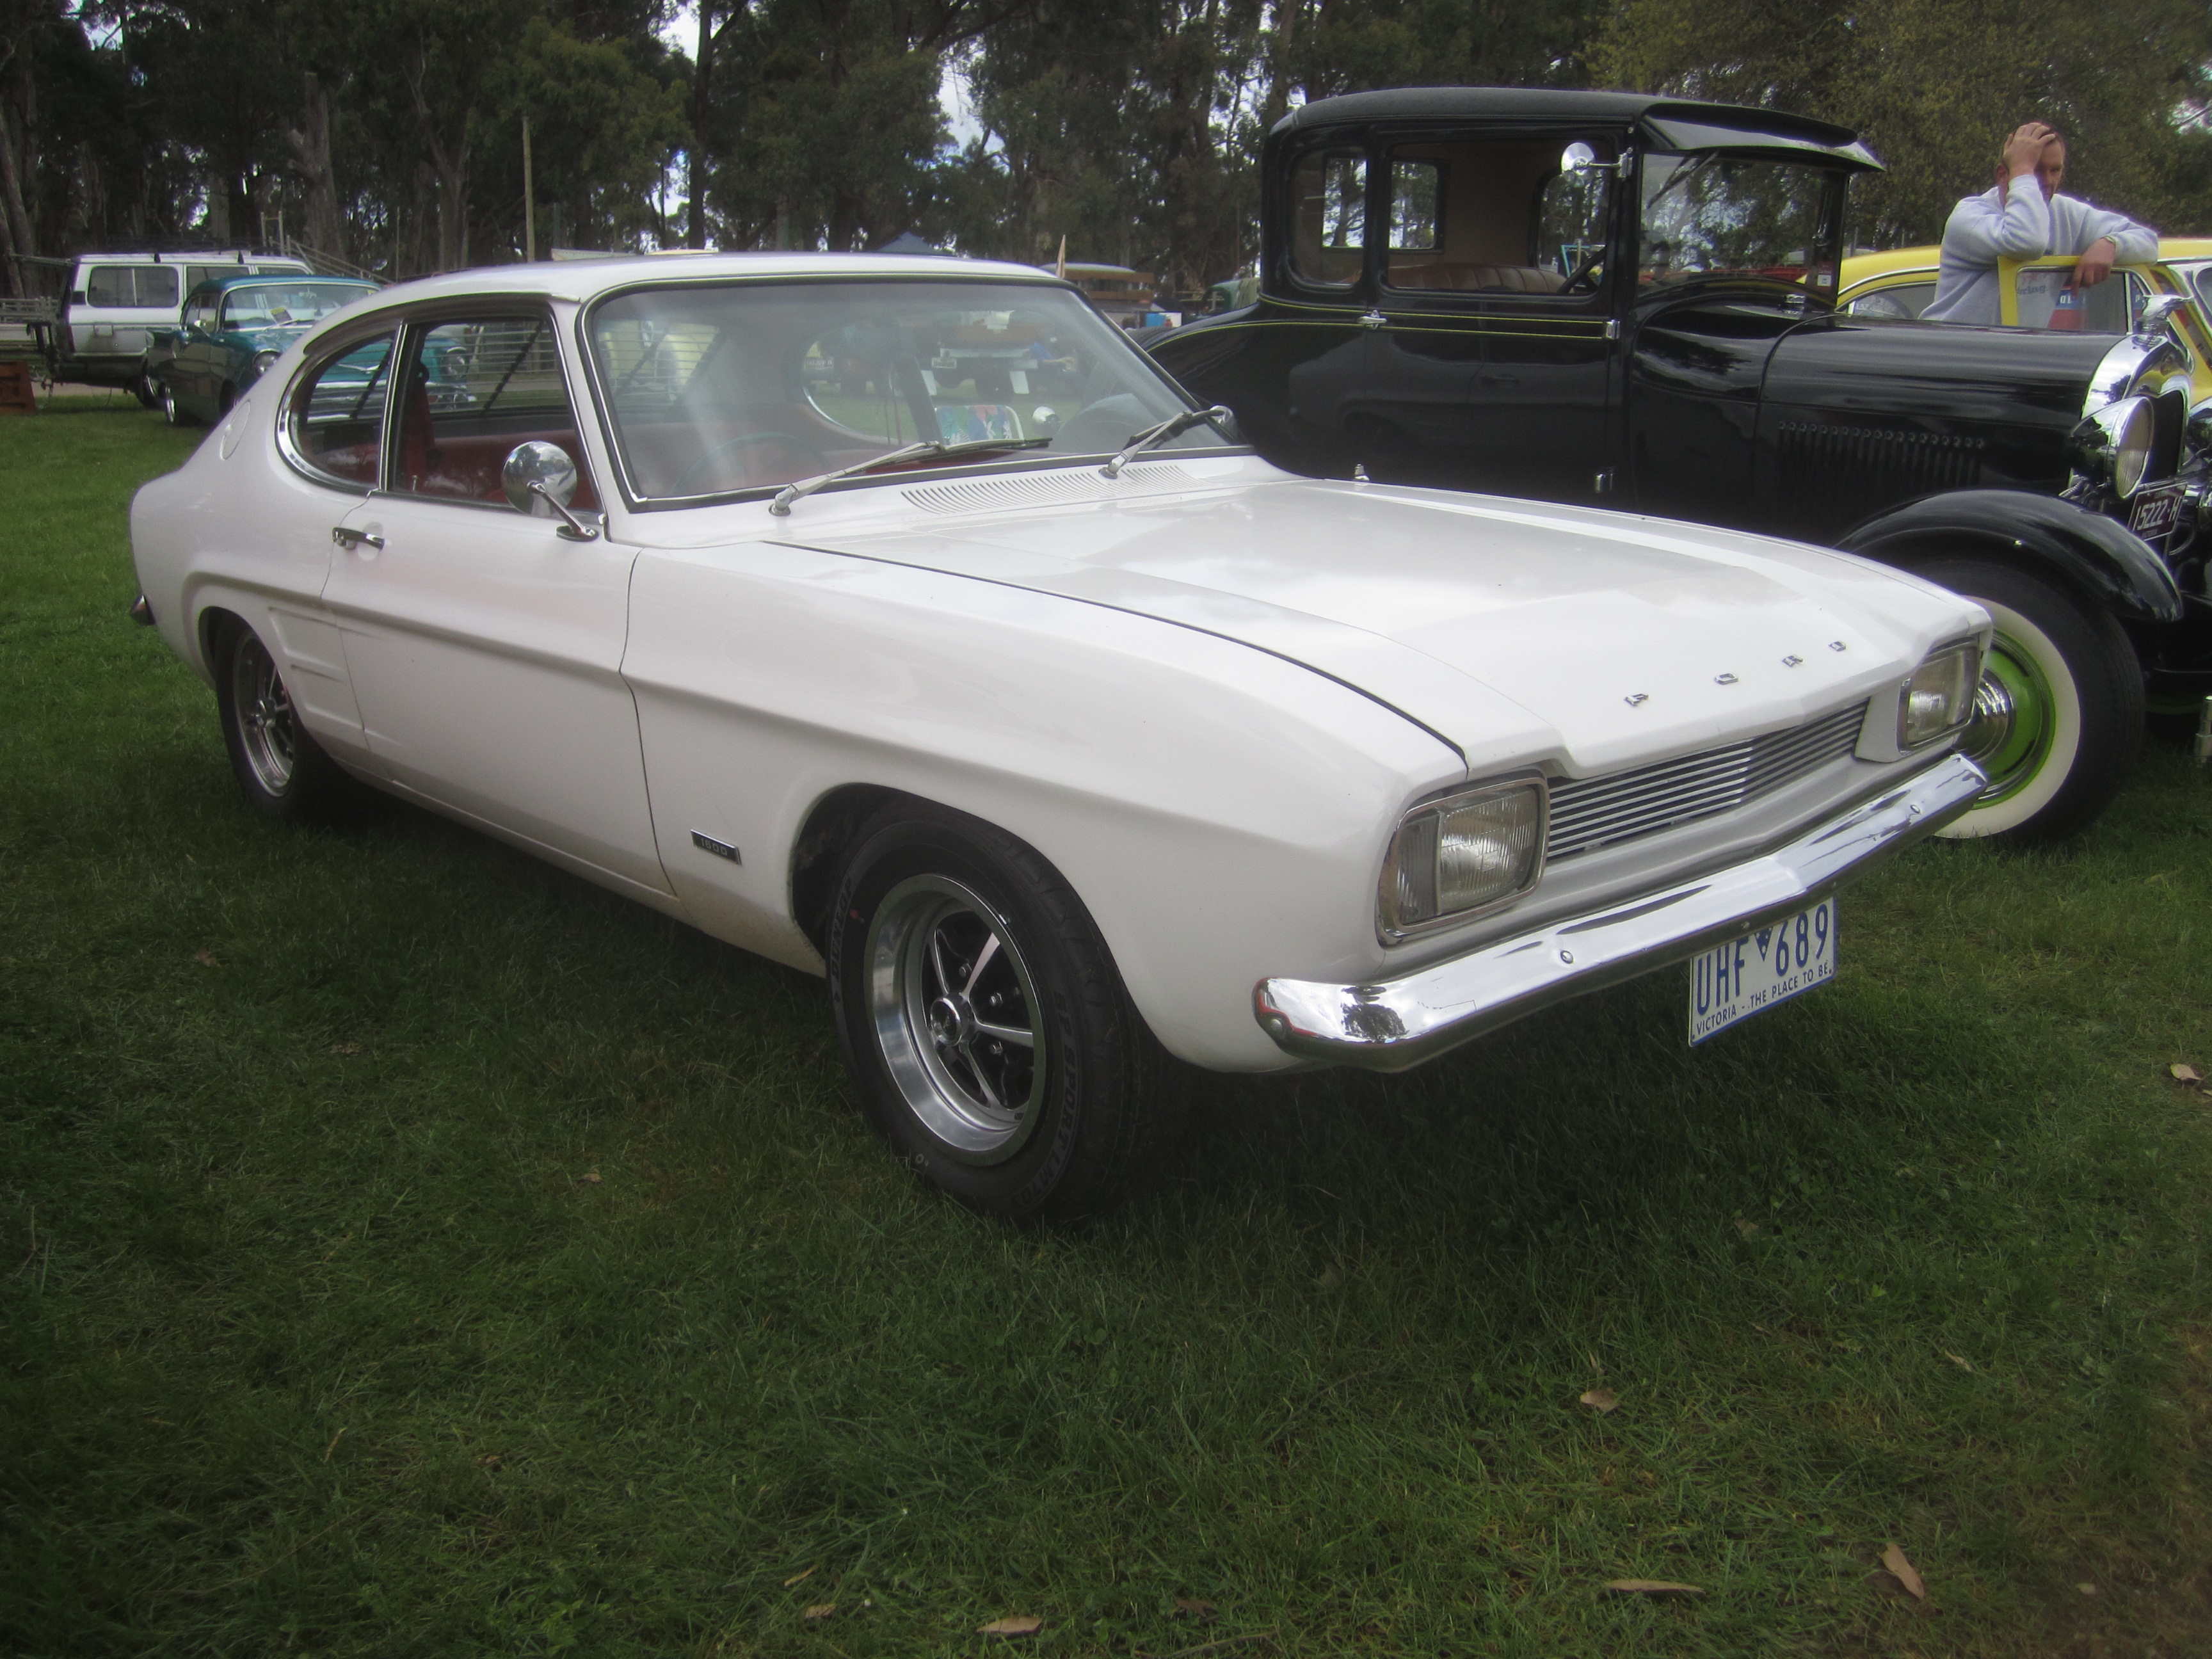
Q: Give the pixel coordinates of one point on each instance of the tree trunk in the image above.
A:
(311, 152)
(17, 220)
(702, 73)
(449, 162)
(218, 210)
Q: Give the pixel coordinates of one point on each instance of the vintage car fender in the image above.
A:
(2089, 554)
(1218, 808)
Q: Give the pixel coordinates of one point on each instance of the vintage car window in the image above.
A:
(132, 288)
(1712, 215)
(335, 422)
(278, 305)
(720, 387)
(1416, 206)
(1493, 215)
(199, 311)
(473, 389)
(1328, 219)
(1904, 300)
(2048, 299)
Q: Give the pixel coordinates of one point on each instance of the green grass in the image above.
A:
(317, 1335)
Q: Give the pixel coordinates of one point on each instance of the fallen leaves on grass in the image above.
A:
(2185, 1074)
(205, 959)
(1601, 1401)
(1193, 1606)
(801, 1577)
(1902, 1570)
(590, 1177)
(1331, 1277)
(1748, 1229)
(1651, 1587)
(345, 1048)
(820, 1611)
(1964, 1364)
(2086, 1589)
(1018, 1624)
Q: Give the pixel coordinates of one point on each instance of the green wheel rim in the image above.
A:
(2015, 720)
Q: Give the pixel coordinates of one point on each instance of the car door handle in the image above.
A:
(348, 538)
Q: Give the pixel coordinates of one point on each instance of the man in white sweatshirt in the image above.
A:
(2025, 217)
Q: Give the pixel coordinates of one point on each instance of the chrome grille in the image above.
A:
(1588, 813)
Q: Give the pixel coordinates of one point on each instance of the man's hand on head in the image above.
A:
(2096, 265)
(2024, 149)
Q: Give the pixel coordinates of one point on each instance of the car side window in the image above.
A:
(1328, 220)
(2048, 299)
(1496, 216)
(336, 420)
(473, 389)
(1902, 300)
(200, 312)
(132, 288)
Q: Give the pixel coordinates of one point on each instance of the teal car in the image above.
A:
(234, 328)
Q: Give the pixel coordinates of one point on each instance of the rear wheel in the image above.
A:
(148, 390)
(283, 772)
(2058, 715)
(171, 412)
(987, 1030)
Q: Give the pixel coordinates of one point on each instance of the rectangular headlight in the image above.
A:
(1939, 698)
(1466, 852)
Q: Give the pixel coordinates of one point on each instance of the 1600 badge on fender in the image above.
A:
(900, 620)
(1756, 970)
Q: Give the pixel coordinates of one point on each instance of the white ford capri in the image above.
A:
(897, 619)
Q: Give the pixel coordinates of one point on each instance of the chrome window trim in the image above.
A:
(326, 353)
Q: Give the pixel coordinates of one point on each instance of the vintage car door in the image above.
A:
(1732, 253)
(1493, 359)
(484, 646)
(192, 372)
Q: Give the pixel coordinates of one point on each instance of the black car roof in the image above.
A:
(1670, 123)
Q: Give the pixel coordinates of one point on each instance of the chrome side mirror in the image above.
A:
(540, 479)
(1580, 161)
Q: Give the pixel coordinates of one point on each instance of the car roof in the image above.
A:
(588, 279)
(221, 285)
(1671, 123)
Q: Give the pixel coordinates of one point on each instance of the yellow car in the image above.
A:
(2035, 294)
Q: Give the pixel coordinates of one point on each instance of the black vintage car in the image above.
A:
(1626, 302)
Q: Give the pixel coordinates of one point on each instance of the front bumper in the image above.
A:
(1394, 1024)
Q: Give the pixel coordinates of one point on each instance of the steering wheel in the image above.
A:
(745, 439)
(1584, 280)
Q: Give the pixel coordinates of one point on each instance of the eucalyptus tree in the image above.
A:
(1934, 86)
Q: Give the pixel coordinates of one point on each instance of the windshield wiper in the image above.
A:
(1174, 426)
(790, 492)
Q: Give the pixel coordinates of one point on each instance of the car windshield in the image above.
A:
(1712, 215)
(717, 388)
(277, 305)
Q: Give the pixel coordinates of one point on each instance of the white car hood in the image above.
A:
(1509, 627)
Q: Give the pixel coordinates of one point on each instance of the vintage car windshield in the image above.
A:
(278, 305)
(1714, 215)
(716, 388)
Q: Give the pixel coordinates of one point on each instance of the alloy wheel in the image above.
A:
(264, 715)
(956, 1017)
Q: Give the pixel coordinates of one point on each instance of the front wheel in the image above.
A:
(148, 390)
(172, 412)
(986, 1029)
(2058, 715)
(283, 772)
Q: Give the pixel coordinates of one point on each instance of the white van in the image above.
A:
(117, 301)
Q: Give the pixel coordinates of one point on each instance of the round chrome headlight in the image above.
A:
(2112, 445)
(263, 360)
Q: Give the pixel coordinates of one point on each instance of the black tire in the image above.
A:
(2059, 714)
(283, 772)
(148, 390)
(171, 412)
(946, 933)
(226, 400)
